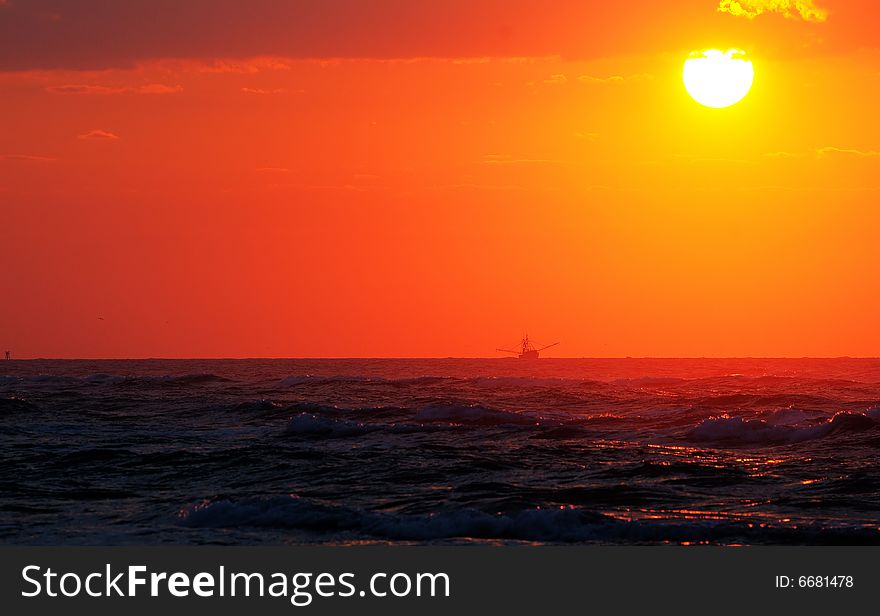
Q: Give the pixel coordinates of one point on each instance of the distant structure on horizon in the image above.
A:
(527, 350)
(8, 354)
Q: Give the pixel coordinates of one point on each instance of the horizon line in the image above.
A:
(442, 357)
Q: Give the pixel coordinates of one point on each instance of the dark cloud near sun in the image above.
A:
(95, 34)
(803, 9)
(150, 88)
(100, 34)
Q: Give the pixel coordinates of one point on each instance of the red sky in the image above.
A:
(394, 178)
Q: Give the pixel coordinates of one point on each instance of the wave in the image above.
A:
(50, 379)
(791, 417)
(736, 430)
(526, 381)
(428, 419)
(307, 424)
(105, 379)
(258, 406)
(471, 414)
(650, 381)
(181, 379)
(309, 379)
(568, 524)
(292, 512)
(746, 400)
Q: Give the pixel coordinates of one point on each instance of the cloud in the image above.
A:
(561, 79)
(243, 66)
(824, 152)
(591, 79)
(225, 34)
(805, 9)
(262, 90)
(157, 88)
(781, 154)
(82, 89)
(831, 151)
(556, 79)
(151, 88)
(28, 158)
(613, 79)
(99, 134)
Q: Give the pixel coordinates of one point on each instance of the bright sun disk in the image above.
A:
(718, 78)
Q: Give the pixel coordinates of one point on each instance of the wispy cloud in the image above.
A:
(803, 9)
(248, 66)
(101, 135)
(158, 88)
(150, 88)
(558, 79)
(781, 154)
(28, 158)
(82, 89)
(824, 152)
(591, 79)
(613, 79)
(832, 151)
(262, 90)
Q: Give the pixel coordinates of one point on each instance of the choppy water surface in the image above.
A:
(440, 451)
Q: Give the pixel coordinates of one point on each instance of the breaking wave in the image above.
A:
(736, 430)
(291, 512)
(545, 525)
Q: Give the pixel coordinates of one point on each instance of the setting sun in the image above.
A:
(718, 79)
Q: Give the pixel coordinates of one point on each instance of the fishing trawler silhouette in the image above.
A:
(527, 350)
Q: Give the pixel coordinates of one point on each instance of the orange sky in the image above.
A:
(344, 178)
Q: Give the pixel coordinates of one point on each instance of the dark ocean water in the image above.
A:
(440, 451)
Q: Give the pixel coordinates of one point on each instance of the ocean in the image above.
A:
(440, 451)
